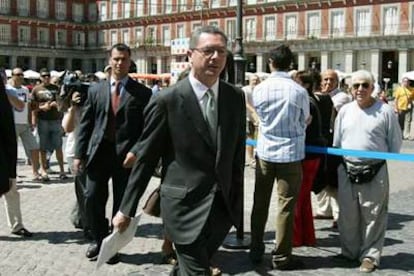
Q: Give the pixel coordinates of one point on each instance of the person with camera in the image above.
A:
(70, 124)
(49, 119)
(363, 183)
(403, 106)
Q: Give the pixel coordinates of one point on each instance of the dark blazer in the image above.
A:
(8, 142)
(176, 131)
(94, 119)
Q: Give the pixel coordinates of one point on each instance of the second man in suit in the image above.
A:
(198, 129)
(109, 128)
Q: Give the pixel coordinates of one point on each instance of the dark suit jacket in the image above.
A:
(94, 120)
(176, 131)
(8, 142)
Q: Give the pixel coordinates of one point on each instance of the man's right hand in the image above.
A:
(77, 165)
(121, 222)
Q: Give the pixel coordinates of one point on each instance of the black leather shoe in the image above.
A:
(93, 251)
(23, 232)
(292, 264)
(114, 259)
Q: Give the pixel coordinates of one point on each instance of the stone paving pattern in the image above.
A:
(58, 249)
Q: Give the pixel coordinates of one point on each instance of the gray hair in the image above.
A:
(195, 36)
(362, 75)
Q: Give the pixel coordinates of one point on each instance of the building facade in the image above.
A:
(339, 34)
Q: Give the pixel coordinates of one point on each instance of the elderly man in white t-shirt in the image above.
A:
(363, 183)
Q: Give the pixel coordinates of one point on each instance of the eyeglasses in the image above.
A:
(209, 51)
(45, 75)
(18, 74)
(364, 85)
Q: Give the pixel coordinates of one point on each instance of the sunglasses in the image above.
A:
(364, 85)
(18, 74)
(45, 76)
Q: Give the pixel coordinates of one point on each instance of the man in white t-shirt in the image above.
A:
(22, 119)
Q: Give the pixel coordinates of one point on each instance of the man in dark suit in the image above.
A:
(8, 143)
(110, 126)
(201, 139)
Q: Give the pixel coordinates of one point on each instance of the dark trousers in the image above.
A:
(194, 258)
(105, 165)
(289, 179)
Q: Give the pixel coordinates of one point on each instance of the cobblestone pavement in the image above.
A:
(58, 249)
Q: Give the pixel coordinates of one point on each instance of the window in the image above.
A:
(125, 37)
(151, 36)
(127, 9)
(195, 26)
(103, 11)
(152, 7)
(114, 9)
(60, 38)
(167, 6)
(363, 22)
(180, 31)
(391, 20)
(250, 33)
(77, 12)
(4, 33)
(92, 38)
(215, 3)
(24, 35)
(101, 38)
(337, 23)
(198, 5)
(270, 28)
(251, 2)
(139, 37)
(313, 25)
(213, 23)
(78, 39)
(93, 13)
(166, 35)
(231, 29)
(181, 5)
(42, 7)
(4, 6)
(114, 37)
(43, 36)
(23, 7)
(291, 27)
(230, 32)
(139, 8)
(232, 3)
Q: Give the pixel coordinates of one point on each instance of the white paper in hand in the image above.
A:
(114, 242)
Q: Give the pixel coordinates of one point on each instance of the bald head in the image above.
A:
(330, 81)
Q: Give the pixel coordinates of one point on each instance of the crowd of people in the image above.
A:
(195, 131)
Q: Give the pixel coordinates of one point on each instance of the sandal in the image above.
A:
(37, 178)
(169, 258)
(215, 271)
(45, 177)
(63, 176)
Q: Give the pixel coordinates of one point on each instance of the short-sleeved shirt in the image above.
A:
(283, 108)
(377, 129)
(47, 93)
(22, 93)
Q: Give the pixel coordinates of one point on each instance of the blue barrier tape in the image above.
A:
(354, 153)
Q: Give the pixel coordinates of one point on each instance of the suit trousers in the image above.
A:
(303, 227)
(289, 180)
(194, 258)
(105, 165)
(12, 204)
